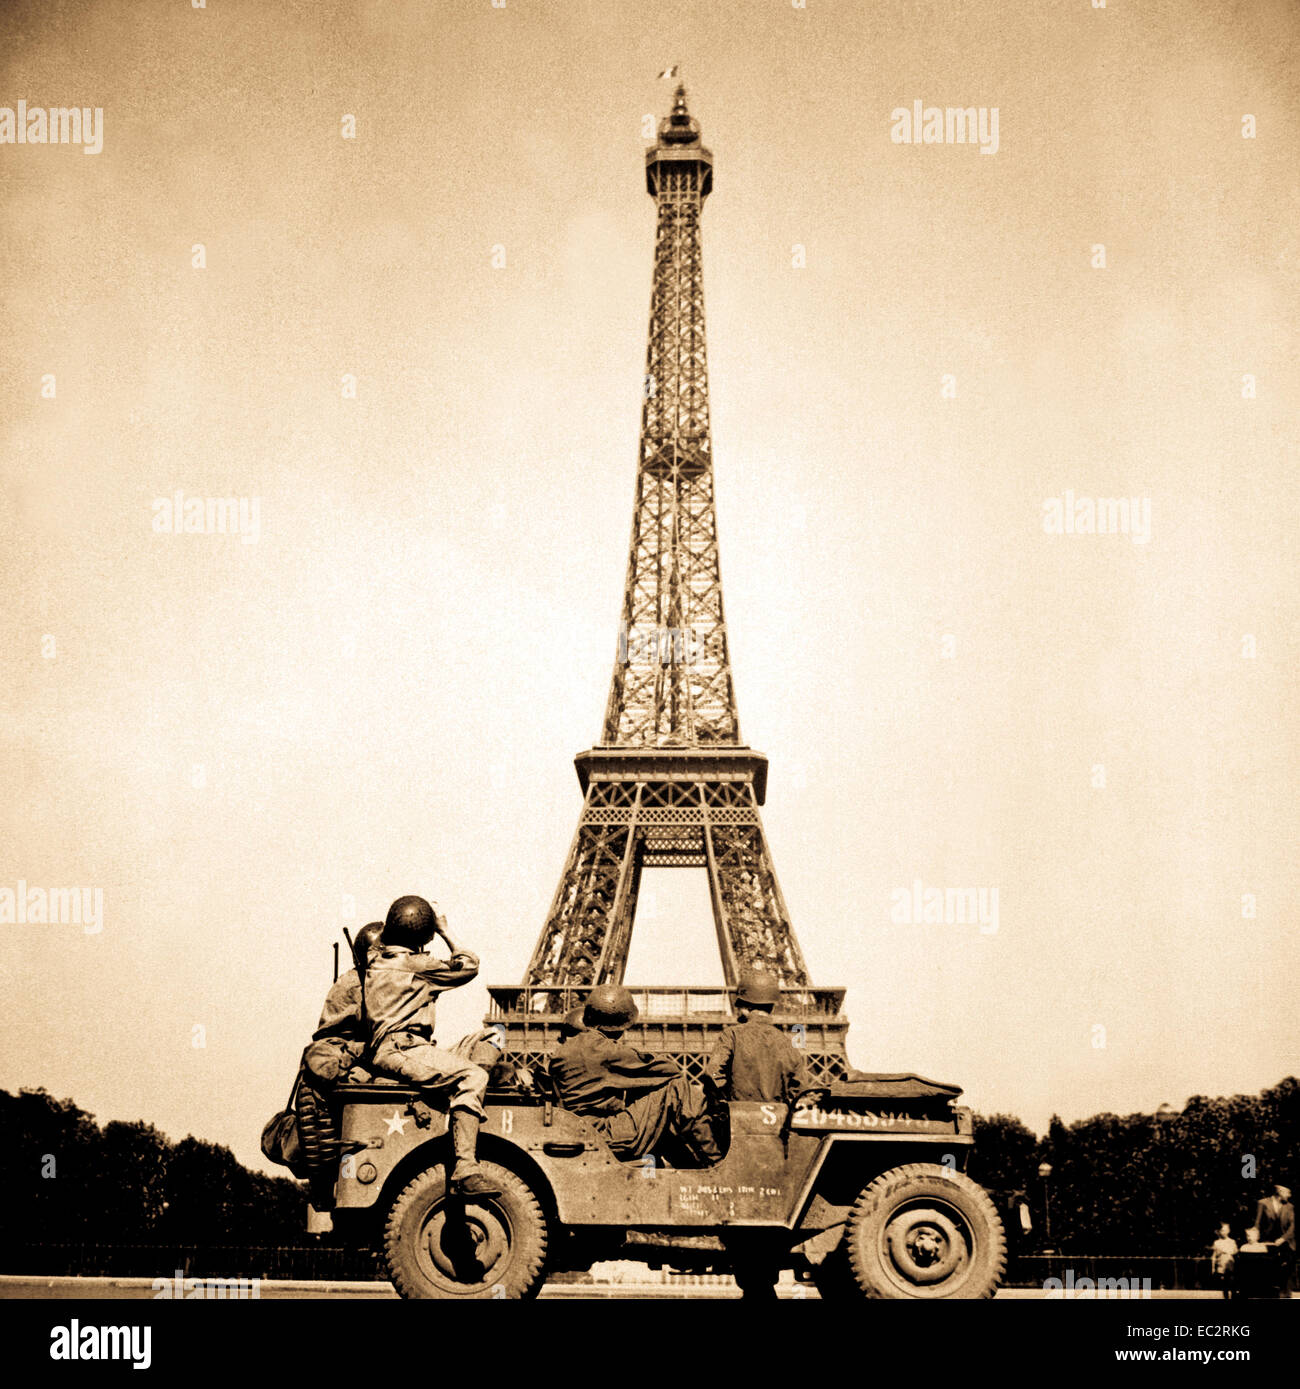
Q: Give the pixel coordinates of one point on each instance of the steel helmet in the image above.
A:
(573, 1020)
(758, 988)
(610, 1005)
(409, 922)
(366, 940)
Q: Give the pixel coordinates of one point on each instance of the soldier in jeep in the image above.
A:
(572, 1025)
(402, 986)
(342, 1035)
(752, 1059)
(636, 1100)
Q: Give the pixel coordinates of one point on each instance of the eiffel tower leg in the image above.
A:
(721, 918)
(574, 939)
(613, 963)
(749, 908)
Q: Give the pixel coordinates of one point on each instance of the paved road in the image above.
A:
(12, 1286)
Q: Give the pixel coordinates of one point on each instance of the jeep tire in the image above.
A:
(440, 1246)
(925, 1231)
(318, 1129)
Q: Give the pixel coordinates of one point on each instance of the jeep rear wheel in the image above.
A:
(924, 1231)
(441, 1246)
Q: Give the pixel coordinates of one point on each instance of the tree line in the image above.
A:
(1141, 1183)
(1119, 1184)
(69, 1181)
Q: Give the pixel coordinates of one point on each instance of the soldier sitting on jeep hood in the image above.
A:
(402, 984)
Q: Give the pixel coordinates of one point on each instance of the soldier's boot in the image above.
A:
(467, 1177)
(701, 1142)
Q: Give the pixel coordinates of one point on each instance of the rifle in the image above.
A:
(360, 966)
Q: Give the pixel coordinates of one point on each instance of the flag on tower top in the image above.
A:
(668, 72)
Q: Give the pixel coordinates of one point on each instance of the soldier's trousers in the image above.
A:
(414, 1058)
(674, 1110)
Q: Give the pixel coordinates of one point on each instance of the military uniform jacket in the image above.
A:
(595, 1074)
(754, 1060)
(402, 987)
(341, 1015)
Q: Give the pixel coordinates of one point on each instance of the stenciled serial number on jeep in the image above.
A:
(817, 1118)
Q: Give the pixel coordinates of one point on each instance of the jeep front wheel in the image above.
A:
(441, 1246)
(924, 1231)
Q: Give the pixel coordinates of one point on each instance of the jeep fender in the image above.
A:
(817, 1204)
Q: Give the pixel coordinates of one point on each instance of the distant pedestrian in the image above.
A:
(1275, 1217)
(1255, 1268)
(1223, 1261)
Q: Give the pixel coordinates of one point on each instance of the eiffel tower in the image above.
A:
(671, 783)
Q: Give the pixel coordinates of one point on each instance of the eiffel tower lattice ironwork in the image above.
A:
(671, 784)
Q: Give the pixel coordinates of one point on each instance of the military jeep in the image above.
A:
(862, 1190)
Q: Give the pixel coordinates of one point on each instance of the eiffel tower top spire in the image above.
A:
(679, 127)
(672, 684)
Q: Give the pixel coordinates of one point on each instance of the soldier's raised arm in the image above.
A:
(460, 969)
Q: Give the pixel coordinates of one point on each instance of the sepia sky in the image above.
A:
(385, 688)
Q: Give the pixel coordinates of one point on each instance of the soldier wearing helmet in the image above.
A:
(636, 1100)
(573, 1024)
(342, 1036)
(402, 986)
(752, 1059)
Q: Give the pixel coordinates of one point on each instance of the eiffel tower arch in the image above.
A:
(671, 783)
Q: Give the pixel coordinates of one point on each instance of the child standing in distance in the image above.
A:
(1223, 1260)
(1254, 1268)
